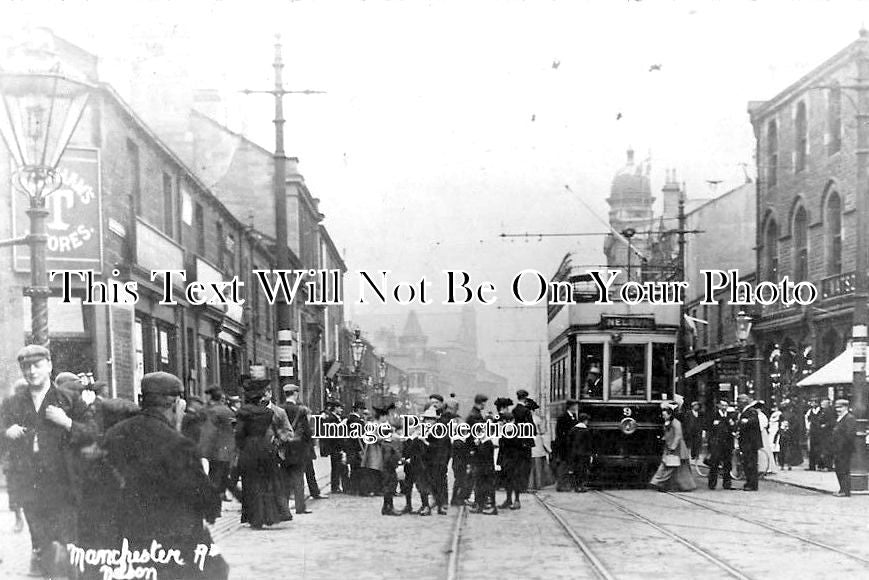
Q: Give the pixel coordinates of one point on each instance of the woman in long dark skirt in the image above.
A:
(257, 462)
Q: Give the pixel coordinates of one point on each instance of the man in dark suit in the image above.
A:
(561, 446)
(581, 452)
(692, 425)
(218, 440)
(828, 421)
(45, 427)
(353, 448)
(482, 461)
(333, 448)
(720, 429)
(522, 415)
(842, 444)
(166, 492)
(750, 440)
(298, 447)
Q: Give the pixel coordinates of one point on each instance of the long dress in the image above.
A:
(257, 466)
(674, 478)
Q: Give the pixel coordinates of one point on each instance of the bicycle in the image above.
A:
(764, 461)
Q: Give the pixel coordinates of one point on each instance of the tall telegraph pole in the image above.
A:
(286, 348)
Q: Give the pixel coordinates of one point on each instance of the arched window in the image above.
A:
(771, 153)
(801, 135)
(770, 251)
(833, 234)
(834, 118)
(801, 244)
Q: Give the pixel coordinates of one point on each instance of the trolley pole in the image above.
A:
(680, 277)
(287, 373)
(861, 283)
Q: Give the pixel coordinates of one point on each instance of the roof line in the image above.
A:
(709, 201)
(784, 94)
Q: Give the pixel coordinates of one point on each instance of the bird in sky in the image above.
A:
(654, 67)
(618, 116)
(556, 63)
(533, 118)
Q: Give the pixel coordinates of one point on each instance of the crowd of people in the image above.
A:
(744, 430)
(91, 472)
(402, 463)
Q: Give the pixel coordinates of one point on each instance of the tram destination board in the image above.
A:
(638, 322)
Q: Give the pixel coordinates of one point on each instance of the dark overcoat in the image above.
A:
(48, 471)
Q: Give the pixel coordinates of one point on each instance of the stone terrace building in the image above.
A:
(144, 210)
(806, 220)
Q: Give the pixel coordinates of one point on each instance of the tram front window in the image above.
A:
(662, 370)
(627, 376)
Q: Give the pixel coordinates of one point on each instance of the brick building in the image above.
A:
(724, 241)
(142, 209)
(807, 166)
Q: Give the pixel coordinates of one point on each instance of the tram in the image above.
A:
(618, 361)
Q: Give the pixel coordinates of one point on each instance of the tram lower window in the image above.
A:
(627, 376)
(662, 370)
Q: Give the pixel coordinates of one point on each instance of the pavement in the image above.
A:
(15, 547)
(800, 476)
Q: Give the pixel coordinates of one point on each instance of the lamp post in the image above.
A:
(629, 233)
(357, 350)
(39, 112)
(743, 330)
(381, 372)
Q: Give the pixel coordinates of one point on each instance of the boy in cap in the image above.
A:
(482, 461)
(45, 427)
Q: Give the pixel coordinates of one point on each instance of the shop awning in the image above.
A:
(838, 371)
(700, 368)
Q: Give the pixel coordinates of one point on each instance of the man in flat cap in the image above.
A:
(844, 433)
(166, 492)
(298, 447)
(45, 427)
(482, 461)
(218, 440)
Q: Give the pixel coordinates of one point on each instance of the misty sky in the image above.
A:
(447, 123)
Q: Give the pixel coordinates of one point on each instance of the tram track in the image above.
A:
(455, 543)
(772, 528)
(694, 547)
(597, 566)
(600, 569)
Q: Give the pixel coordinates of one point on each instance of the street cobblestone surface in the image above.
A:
(347, 537)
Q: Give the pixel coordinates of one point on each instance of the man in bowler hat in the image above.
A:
(167, 494)
(844, 433)
(45, 427)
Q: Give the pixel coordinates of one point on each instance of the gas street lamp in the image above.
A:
(381, 372)
(39, 112)
(357, 349)
(743, 330)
